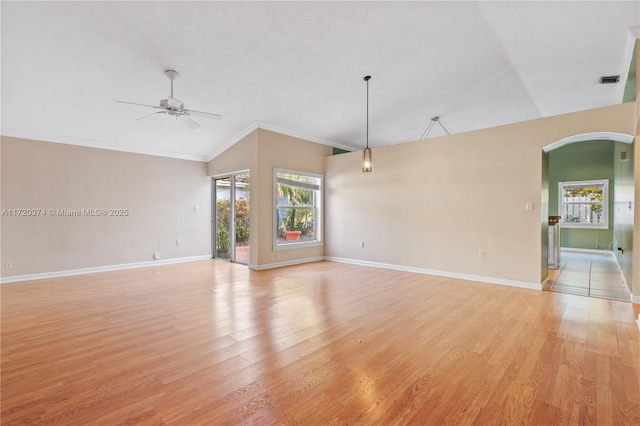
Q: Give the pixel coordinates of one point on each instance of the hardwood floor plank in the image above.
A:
(625, 385)
(324, 343)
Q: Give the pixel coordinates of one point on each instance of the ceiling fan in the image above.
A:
(174, 107)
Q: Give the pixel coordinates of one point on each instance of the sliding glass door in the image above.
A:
(222, 235)
(231, 217)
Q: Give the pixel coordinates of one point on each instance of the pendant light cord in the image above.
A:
(367, 78)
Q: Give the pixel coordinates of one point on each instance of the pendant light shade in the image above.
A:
(367, 164)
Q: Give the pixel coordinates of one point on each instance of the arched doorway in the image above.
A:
(588, 183)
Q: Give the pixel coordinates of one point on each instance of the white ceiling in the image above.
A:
(298, 67)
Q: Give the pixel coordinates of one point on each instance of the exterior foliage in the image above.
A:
(223, 223)
(589, 198)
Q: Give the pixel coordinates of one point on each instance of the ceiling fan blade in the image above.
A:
(188, 121)
(149, 115)
(135, 103)
(203, 114)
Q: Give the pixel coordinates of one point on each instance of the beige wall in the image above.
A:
(241, 156)
(430, 204)
(436, 204)
(261, 152)
(160, 194)
(636, 212)
(544, 217)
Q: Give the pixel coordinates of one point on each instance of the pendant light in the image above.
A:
(367, 165)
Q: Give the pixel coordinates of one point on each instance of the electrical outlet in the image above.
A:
(482, 254)
(8, 264)
(156, 256)
(361, 244)
(177, 242)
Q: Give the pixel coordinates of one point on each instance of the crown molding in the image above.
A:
(292, 133)
(92, 143)
(272, 128)
(229, 143)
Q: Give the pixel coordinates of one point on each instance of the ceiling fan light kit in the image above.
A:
(174, 107)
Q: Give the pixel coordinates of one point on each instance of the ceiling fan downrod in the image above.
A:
(171, 75)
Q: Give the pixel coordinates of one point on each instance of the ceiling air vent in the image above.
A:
(610, 79)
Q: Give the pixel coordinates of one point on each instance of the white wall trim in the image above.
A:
(581, 250)
(488, 280)
(56, 274)
(272, 128)
(235, 139)
(624, 279)
(93, 143)
(593, 136)
(287, 263)
(310, 138)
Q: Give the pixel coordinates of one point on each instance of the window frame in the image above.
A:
(605, 203)
(318, 240)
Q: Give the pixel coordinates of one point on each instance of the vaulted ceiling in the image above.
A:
(297, 67)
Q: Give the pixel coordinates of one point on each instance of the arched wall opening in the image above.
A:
(594, 156)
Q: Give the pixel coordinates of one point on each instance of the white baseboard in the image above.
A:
(581, 250)
(287, 263)
(488, 280)
(45, 275)
(626, 283)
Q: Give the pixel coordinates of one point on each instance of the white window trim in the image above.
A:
(319, 241)
(605, 204)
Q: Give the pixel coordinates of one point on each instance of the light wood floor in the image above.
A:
(325, 343)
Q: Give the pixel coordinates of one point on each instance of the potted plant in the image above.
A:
(288, 228)
(293, 226)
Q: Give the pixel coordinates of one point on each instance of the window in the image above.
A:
(298, 209)
(584, 204)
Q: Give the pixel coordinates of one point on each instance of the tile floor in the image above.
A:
(242, 254)
(588, 274)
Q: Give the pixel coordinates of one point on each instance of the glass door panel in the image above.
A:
(241, 193)
(222, 249)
